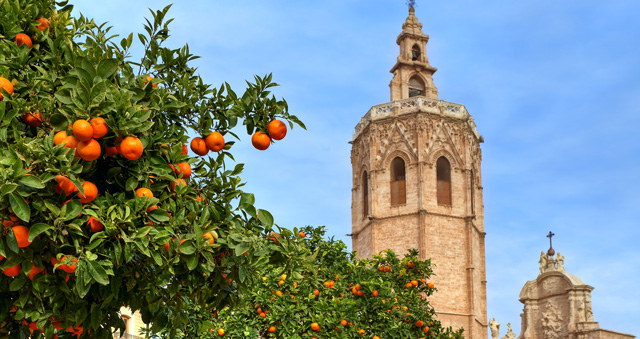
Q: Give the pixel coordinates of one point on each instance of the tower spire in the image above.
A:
(412, 73)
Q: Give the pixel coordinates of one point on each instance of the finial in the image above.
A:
(550, 252)
(411, 4)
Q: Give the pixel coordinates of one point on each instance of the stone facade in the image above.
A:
(423, 132)
(558, 305)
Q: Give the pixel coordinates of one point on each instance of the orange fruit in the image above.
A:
(166, 246)
(210, 236)
(66, 267)
(32, 119)
(431, 285)
(214, 142)
(301, 234)
(183, 168)
(149, 79)
(111, 151)
(152, 208)
(66, 185)
(82, 130)
(374, 293)
(343, 322)
(185, 150)
(59, 138)
(375, 337)
(315, 327)
(199, 146)
(34, 271)
(316, 292)
(22, 38)
(180, 182)
(260, 141)
(95, 224)
(70, 142)
(14, 221)
(6, 85)
(410, 264)
(221, 331)
(89, 150)
(90, 192)
(100, 127)
(12, 271)
(414, 283)
(44, 24)
(419, 323)
(277, 130)
(272, 329)
(144, 192)
(22, 235)
(131, 148)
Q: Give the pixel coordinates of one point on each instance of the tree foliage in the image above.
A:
(386, 296)
(76, 69)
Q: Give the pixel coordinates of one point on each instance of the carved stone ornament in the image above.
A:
(510, 334)
(551, 322)
(495, 329)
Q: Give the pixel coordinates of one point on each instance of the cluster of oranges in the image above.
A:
(213, 142)
(277, 131)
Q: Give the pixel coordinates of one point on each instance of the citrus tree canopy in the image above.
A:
(324, 292)
(102, 202)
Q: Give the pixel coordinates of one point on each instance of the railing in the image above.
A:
(411, 105)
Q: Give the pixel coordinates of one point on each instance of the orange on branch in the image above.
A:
(59, 138)
(183, 168)
(100, 127)
(89, 150)
(214, 142)
(199, 146)
(12, 271)
(180, 182)
(95, 224)
(22, 38)
(32, 119)
(131, 148)
(22, 235)
(111, 151)
(33, 272)
(6, 85)
(144, 192)
(82, 130)
(44, 24)
(260, 141)
(277, 130)
(90, 192)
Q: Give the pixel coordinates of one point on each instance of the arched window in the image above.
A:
(443, 175)
(398, 186)
(365, 195)
(415, 52)
(416, 86)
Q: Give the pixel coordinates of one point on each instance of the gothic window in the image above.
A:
(416, 86)
(365, 195)
(398, 186)
(415, 52)
(443, 175)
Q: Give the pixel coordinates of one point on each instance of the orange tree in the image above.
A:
(324, 292)
(101, 202)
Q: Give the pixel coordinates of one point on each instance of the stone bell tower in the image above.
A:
(417, 184)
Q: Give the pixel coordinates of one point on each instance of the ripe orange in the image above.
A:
(410, 264)
(180, 182)
(375, 337)
(414, 283)
(185, 150)
(210, 236)
(14, 221)
(82, 130)
(301, 234)
(131, 148)
(34, 271)
(199, 146)
(214, 142)
(90, 192)
(59, 138)
(272, 329)
(6, 85)
(315, 327)
(374, 293)
(149, 79)
(221, 331)
(89, 150)
(12, 271)
(44, 24)
(419, 323)
(111, 151)
(66, 185)
(316, 292)
(66, 267)
(22, 38)
(32, 119)
(95, 224)
(100, 127)
(183, 168)
(431, 285)
(260, 141)
(22, 235)
(277, 130)
(70, 142)
(144, 192)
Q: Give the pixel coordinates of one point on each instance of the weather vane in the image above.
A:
(411, 3)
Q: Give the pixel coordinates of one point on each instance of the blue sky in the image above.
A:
(552, 85)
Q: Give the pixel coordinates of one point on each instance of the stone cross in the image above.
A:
(411, 3)
(550, 252)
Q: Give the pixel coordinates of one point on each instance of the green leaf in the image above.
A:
(12, 242)
(7, 188)
(107, 67)
(266, 218)
(74, 208)
(246, 199)
(37, 229)
(192, 262)
(187, 247)
(131, 184)
(20, 207)
(17, 284)
(98, 273)
(241, 248)
(31, 181)
(159, 215)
